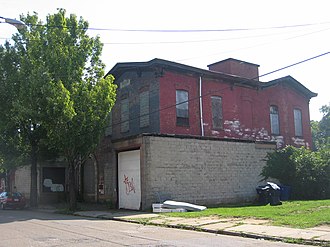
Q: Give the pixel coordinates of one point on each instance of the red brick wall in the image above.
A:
(236, 67)
(169, 83)
(245, 110)
(287, 99)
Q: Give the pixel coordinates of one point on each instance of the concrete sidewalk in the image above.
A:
(253, 228)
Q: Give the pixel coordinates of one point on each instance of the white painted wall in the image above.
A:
(129, 180)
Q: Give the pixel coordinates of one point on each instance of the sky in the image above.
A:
(272, 34)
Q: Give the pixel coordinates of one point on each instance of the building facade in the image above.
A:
(196, 135)
(189, 134)
(226, 101)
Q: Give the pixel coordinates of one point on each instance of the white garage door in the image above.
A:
(129, 182)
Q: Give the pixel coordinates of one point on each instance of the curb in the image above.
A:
(222, 232)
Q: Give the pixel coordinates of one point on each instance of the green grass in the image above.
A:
(299, 214)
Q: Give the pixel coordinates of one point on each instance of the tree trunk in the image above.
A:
(72, 187)
(34, 178)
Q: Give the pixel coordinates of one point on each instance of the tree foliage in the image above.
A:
(307, 172)
(280, 165)
(321, 130)
(58, 96)
(26, 88)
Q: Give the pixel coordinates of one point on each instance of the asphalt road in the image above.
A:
(31, 228)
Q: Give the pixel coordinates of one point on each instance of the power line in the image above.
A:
(182, 30)
(211, 40)
(199, 41)
(294, 64)
(255, 45)
(205, 30)
(204, 40)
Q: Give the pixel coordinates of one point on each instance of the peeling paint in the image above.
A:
(214, 132)
(279, 141)
(227, 130)
(234, 129)
(263, 132)
(299, 141)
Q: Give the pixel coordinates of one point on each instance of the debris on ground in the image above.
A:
(175, 206)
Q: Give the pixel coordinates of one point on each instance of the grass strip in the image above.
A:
(297, 214)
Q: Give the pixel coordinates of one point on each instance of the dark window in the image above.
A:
(53, 179)
(297, 122)
(182, 110)
(217, 119)
(144, 109)
(274, 120)
(124, 115)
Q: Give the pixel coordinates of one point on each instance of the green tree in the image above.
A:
(321, 130)
(26, 87)
(307, 172)
(280, 165)
(325, 125)
(60, 96)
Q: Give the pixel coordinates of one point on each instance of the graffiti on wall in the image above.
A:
(129, 183)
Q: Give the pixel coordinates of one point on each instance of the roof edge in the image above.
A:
(233, 59)
(292, 82)
(163, 62)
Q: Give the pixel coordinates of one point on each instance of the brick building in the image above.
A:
(193, 134)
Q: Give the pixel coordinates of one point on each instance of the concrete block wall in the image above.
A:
(23, 180)
(202, 171)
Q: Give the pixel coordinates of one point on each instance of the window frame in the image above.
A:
(298, 126)
(217, 114)
(272, 115)
(182, 107)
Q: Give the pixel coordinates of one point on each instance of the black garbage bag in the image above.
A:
(269, 193)
(263, 194)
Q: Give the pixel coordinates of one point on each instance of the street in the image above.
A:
(32, 228)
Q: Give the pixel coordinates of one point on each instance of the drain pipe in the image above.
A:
(201, 105)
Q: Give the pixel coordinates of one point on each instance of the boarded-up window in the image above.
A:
(274, 120)
(108, 128)
(124, 115)
(144, 109)
(182, 110)
(217, 119)
(297, 122)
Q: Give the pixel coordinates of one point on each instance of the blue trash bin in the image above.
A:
(285, 192)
